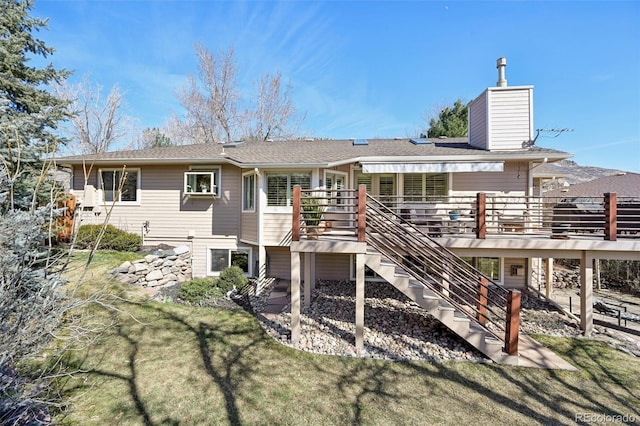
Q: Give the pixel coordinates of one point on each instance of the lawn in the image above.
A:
(165, 363)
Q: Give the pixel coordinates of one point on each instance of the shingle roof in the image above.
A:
(317, 151)
(624, 185)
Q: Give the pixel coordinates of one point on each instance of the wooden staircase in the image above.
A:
(455, 320)
(457, 294)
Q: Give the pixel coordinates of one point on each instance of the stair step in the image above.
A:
(457, 316)
(433, 301)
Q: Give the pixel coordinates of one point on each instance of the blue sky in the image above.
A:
(369, 69)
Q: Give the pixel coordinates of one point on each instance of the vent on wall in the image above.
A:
(360, 142)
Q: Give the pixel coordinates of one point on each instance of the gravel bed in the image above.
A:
(396, 328)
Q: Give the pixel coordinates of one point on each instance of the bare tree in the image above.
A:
(274, 115)
(214, 112)
(97, 122)
(211, 99)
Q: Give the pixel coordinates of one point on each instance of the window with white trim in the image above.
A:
(280, 187)
(202, 182)
(121, 186)
(418, 186)
(249, 192)
(219, 259)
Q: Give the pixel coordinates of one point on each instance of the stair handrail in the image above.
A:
(488, 296)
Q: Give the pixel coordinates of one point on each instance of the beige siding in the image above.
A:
(328, 266)
(332, 266)
(169, 213)
(478, 121)
(491, 182)
(515, 281)
(279, 262)
(509, 118)
(277, 228)
(249, 230)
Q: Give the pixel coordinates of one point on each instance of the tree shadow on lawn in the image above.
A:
(224, 349)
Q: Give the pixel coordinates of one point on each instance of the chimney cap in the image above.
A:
(501, 64)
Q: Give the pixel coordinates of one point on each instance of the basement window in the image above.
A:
(220, 259)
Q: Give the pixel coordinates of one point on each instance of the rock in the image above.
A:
(127, 279)
(138, 267)
(150, 258)
(154, 275)
(181, 250)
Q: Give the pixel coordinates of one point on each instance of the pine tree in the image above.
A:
(31, 306)
(452, 121)
(29, 113)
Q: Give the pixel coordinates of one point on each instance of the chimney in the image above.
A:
(501, 65)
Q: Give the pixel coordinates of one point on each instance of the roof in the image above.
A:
(623, 184)
(318, 153)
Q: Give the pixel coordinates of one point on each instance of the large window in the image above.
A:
(280, 187)
(205, 182)
(249, 192)
(120, 185)
(219, 259)
(418, 186)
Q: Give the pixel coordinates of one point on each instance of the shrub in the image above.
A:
(232, 276)
(197, 290)
(113, 238)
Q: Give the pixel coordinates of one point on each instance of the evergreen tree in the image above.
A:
(29, 113)
(31, 306)
(452, 121)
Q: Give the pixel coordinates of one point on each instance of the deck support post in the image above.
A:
(512, 326)
(610, 216)
(481, 215)
(295, 297)
(586, 293)
(295, 223)
(549, 278)
(360, 259)
(309, 275)
(483, 292)
(361, 213)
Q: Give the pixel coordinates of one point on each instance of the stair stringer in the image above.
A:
(467, 328)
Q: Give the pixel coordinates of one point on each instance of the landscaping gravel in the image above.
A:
(396, 328)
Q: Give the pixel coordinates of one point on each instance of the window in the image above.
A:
(490, 266)
(364, 179)
(219, 259)
(249, 192)
(120, 185)
(335, 182)
(202, 182)
(418, 186)
(280, 187)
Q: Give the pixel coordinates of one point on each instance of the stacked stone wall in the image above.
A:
(162, 268)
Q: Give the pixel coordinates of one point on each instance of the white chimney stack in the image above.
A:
(501, 65)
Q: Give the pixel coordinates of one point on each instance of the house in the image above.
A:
(234, 203)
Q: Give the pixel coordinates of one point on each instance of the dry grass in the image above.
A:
(183, 365)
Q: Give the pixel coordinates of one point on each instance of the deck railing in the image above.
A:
(480, 216)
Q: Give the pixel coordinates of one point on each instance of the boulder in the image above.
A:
(181, 250)
(139, 267)
(154, 275)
